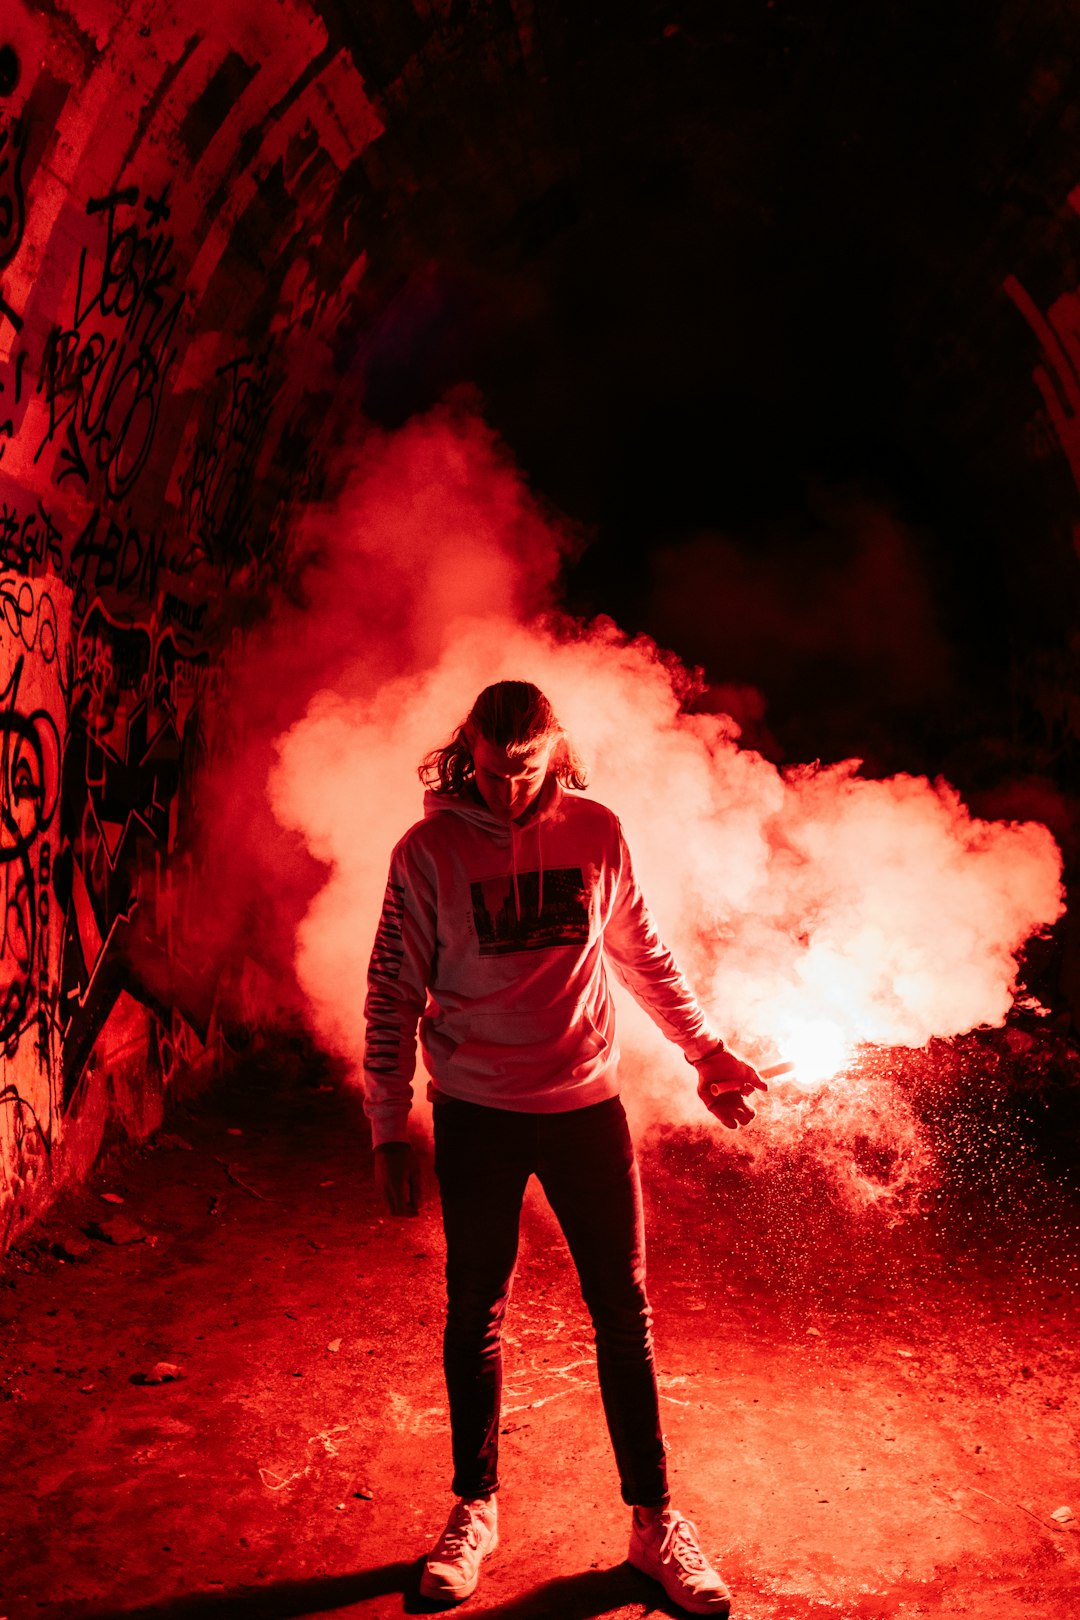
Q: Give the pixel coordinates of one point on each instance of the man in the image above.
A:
(502, 909)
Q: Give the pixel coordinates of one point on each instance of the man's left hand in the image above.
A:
(724, 1082)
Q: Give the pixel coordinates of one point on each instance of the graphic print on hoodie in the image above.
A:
(539, 911)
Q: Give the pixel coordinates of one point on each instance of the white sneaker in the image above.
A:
(668, 1550)
(452, 1567)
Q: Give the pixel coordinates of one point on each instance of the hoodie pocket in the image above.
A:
(540, 1042)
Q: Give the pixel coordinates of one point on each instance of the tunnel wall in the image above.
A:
(174, 259)
(206, 235)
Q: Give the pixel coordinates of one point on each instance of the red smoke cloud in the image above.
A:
(813, 910)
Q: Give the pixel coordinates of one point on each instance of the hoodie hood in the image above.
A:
(546, 804)
(504, 831)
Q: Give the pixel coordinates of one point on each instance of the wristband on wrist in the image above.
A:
(714, 1051)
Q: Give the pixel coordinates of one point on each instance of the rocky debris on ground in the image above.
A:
(162, 1372)
(72, 1246)
(116, 1229)
(170, 1141)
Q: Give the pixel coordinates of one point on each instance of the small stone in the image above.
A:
(234, 1130)
(112, 1198)
(364, 1493)
(117, 1229)
(1063, 1515)
(815, 1333)
(908, 1354)
(162, 1372)
(72, 1246)
(334, 1346)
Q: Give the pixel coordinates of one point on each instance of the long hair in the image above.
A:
(514, 715)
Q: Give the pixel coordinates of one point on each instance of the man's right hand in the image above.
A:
(397, 1176)
(724, 1083)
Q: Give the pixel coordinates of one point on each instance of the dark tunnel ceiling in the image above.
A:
(703, 261)
(714, 271)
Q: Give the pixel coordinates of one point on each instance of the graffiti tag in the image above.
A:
(107, 555)
(218, 486)
(103, 377)
(29, 791)
(31, 616)
(1057, 376)
(12, 202)
(30, 541)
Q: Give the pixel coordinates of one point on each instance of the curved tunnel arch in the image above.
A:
(225, 233)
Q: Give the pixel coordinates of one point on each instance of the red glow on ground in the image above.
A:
(866, 1418)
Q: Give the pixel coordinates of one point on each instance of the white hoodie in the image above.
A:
(493, 936)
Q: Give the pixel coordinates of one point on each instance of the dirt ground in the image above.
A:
(866, 1420)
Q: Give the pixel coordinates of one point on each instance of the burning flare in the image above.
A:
(816, 1050)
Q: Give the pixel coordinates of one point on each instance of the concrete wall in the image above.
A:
(169, 200)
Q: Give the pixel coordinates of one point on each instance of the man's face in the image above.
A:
(510, 783)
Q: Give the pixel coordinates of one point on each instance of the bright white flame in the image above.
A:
(817, 1047)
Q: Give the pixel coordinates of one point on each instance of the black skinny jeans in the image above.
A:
(584, 1160)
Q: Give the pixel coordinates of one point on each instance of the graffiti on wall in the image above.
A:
(1057, 375)
(92, 834)
(30, 540)
(12, 201)
(12, 228)
(95, 849)
(34, 628)
(133, 742)
(12, 385)
(103, 375)
(219, 485)
(29, 792)
(100, 557)
(168, 303)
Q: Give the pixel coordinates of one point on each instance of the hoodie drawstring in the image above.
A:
(514, 870)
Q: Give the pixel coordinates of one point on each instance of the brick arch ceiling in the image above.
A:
(697, 238)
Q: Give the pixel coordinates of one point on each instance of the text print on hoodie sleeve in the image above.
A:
(647, 968)
(400, 971)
